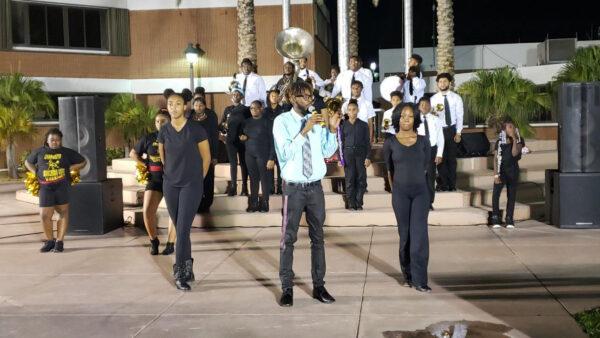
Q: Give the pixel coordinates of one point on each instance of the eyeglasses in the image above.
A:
(307, 96)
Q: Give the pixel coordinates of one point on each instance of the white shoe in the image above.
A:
(496, 226)
(510, 226)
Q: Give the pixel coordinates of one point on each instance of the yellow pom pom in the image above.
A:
(32, 184)
(142, 175)
(75, 177)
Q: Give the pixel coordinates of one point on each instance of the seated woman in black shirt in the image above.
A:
(407, 158)
(257, 134)
(185, 153)
(145, 153)
(52, 164)
(506, 172)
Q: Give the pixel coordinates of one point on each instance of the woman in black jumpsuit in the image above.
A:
(407, 157)
(185, 154)
(208, 119)
(257, 134)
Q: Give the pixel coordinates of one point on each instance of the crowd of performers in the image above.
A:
(293, 130)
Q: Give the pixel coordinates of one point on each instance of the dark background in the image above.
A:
(475, 22)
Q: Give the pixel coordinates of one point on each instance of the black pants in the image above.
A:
(208, 191)
(297, 199)
(411, 207)
(511, 180)
(233, 152)
(431, 174)
(182, 204)
(257, 169)
(447, 169)
(355, 174)
(277, 181)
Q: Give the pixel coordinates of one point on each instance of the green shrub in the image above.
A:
(112, 153)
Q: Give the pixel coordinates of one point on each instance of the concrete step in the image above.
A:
(133, 195)
(484, 179)
(471, 164)
(547, 159)
(335, 217)
(522, 211)
(123, 165)
(24, 196)
(333, 169)
(537, 210)
(527, 192)
(541, 145)
(128, 178)
(372, 200)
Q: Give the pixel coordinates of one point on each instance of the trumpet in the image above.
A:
(386, 123)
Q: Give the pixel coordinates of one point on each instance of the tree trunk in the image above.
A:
(352, 27)
(246, 31)
(11, 163)
(445, 32)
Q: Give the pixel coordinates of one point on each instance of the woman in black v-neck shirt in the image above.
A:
(185, 154)
(407, 158)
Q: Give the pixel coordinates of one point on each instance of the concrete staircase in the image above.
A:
(467, 206)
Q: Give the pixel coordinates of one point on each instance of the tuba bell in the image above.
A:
(294, 43)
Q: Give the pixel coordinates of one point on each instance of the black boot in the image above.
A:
(263, 205)
(252, 205)
(154, 243)
(48, 245)
(169, 249)
(244, 189)
(189, 270)
(231, 189)
(180, 281)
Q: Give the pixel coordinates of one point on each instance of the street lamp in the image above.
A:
(192, 53)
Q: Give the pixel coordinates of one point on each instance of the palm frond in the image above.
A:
(494, 95)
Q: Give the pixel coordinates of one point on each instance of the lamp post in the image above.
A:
(192, 54)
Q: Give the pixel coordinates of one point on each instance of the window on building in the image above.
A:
(55, 26)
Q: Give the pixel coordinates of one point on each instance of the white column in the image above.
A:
(285, 10)
(342, 18)
(408, 31)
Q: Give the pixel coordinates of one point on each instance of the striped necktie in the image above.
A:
(306, 155)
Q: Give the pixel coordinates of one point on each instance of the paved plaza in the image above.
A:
(530, 280)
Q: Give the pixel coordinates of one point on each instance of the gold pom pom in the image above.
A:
(75, 177)
(32, 184)
(142, 175)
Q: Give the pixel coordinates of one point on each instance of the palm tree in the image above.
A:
(21, 100)
(246, 31)
(494, 95)
(584, 66)
(352, 27)
(445, 33)
(129, 117)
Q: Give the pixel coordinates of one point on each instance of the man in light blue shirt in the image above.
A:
(302, 142)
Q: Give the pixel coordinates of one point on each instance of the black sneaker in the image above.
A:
(48, 245)
(58, 247)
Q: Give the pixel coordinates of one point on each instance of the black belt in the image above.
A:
(303, 184)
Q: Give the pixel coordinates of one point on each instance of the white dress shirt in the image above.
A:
(365, 109)
(343, 84)
(419, 86)
(436, 133)
(306, 73)
(456, 109)
(255, 88)
(387, 115)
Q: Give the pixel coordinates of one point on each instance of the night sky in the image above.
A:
(475, 22)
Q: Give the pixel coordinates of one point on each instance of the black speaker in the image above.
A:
(81, 120)
(473, 145)
(575, 200)
(96, 208)
(578, 107)
(549, 194)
